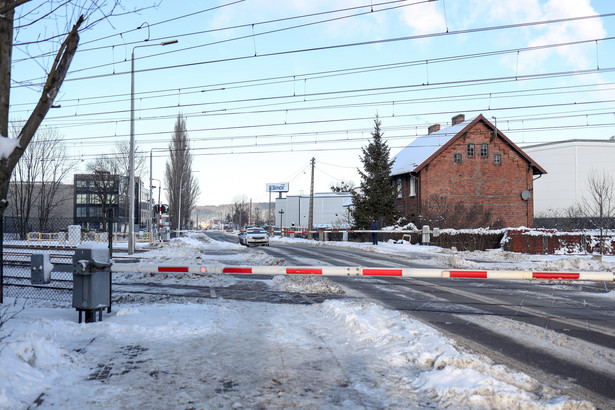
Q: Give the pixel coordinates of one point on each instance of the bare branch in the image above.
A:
(50, 91)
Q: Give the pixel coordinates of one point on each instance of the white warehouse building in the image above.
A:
(568, 164)
(330, 210)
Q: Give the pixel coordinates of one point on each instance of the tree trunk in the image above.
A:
(50, 91)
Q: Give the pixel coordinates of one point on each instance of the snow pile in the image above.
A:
(306, 284)
(573, 263)
(230, 354)
(456, 379)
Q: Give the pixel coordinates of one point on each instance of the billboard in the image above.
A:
(277, 187)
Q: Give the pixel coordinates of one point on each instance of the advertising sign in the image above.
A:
(277, 187)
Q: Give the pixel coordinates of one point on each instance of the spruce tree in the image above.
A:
(376, 197)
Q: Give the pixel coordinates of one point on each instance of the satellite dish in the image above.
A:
(526, 195)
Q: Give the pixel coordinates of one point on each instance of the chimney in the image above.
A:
(433, 128)
(458, 118)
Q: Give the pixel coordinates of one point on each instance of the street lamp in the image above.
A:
(131, 165)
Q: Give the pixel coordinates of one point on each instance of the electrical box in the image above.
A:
(41, 268)
(91, 278)
(426, 235)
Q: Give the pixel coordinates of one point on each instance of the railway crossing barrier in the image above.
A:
(365, 271)
(92, 269)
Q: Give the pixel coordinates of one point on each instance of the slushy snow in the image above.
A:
(170, 352)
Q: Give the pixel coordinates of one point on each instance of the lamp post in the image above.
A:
(131, 165)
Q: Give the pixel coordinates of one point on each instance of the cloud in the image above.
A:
(483, 13)
(577, 57)
(424, 18)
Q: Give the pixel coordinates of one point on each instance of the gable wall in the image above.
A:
(477, 181)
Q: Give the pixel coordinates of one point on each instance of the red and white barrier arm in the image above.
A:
(525, 275)
(362, 271)
(154, 268)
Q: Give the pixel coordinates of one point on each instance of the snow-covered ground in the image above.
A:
(212, 352)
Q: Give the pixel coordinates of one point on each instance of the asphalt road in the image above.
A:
(561, 333)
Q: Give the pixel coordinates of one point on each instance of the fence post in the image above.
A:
(110, 239)
(2, 259)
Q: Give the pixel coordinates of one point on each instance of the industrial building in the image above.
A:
(569, 164)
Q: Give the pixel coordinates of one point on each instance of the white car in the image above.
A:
(254, 236)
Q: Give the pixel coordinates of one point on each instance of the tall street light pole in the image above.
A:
(131, 164)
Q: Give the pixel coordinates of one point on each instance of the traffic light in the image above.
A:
(164, 208)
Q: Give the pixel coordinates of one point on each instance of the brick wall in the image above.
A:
(477, 181)
(550, 241)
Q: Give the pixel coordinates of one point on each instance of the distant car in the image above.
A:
(254, 236)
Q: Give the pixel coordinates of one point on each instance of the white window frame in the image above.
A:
(412, 186)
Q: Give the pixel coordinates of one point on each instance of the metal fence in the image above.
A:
(16, 252)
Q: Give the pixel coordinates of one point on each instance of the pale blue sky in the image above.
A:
(259, 119)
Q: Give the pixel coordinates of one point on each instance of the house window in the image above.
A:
(457, 158)
(484, 150)
(81, 212)
(412, 186)
(497, 159)
(398, 187)
(470, 150)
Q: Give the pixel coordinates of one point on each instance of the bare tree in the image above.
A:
(240, 211)
(38, 178)
(105, 186)
(110, 184)
(18, 23)
(441, 212)
(183, 186)
(342, 186)
(599, 204)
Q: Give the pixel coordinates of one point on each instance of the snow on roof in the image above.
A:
(421, 148)
(322, 195)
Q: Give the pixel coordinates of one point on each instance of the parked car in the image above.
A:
(254, 236)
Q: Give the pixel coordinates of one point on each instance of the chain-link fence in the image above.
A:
(59, 240)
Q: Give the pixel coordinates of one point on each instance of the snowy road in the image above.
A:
(184, 340)
(577, 316)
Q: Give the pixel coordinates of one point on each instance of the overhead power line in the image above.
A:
(97, 100)
(510, 78)
(336, 46)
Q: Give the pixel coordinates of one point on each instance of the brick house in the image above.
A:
(465, 176)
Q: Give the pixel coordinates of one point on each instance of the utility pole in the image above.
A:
(281, 212)
(311, 212)
(269, 222)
